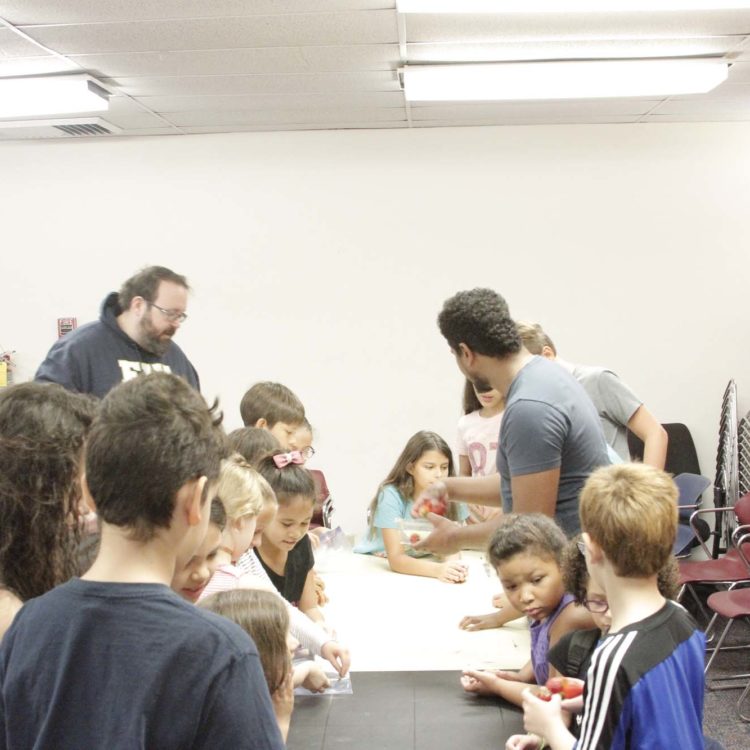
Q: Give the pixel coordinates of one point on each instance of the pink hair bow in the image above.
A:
(284, 459)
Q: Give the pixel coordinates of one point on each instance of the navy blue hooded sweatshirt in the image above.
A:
(97, 356)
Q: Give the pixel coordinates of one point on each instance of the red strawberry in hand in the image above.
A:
(568, 688)
(414, 538)
(542, 693)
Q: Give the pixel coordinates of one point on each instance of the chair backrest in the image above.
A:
(681, 454)
(742, 510)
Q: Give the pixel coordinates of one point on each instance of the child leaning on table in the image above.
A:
(262, 615)
(526, 552)
(425, 459)
(645, 685)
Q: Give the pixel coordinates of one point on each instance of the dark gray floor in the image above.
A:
(402, 710)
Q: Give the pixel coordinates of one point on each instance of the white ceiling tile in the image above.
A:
(22, 12)
(727, 91)
(702, 106)
(552, 49)
(701, 117)
(13, 45)
(542, 26)
(270, 60)
(530, 120)
(386, 80)
(265, 102)
(367, 125)
(316, 29)
(739, 72)
(271, 117)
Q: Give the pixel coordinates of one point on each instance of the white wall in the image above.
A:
(321, 260)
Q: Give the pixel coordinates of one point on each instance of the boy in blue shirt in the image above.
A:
(115, 659)
(644, 688)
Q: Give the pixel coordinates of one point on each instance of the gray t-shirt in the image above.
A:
(614, 401)
(549, 423)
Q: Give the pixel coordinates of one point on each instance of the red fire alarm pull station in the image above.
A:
(66, 325)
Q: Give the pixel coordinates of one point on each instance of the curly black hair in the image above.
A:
(576, 574)
(480, 319)
(42, 431)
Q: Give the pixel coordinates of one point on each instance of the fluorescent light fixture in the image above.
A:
(560, 80)
(565, 6)
(51, 95)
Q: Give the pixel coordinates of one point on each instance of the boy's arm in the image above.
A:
(237, 709)
(655, 439)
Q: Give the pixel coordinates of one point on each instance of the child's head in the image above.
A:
(526, 552)
(263, 616)
(426, 458)
(592, 596)
(153, 445)
(273, 407)
(475, 400)
(267, 513)
(189, 580)
(42, 430)
(629, 513)
(303, 439)
(536, 340)
(295, 493)
(253, 443)
(241, 491)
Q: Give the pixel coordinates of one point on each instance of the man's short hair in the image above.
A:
(153, 434)
(630, 511)
(146, 284)
(480, 319)
(534, 338)
(273, 402)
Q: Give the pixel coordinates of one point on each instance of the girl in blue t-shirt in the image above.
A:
(425, 459)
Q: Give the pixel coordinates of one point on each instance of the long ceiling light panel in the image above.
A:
(560, 80)
(565, 6)
(51, 95)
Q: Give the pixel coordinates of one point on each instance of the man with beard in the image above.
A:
(132, 336)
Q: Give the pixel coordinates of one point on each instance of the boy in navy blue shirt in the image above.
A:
(115, 659)
(644, 688)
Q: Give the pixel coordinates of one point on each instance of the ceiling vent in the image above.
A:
(75, 127)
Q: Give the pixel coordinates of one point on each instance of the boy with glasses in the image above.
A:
(133, 336)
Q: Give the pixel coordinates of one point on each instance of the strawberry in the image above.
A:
(566, 687)
(414, 538)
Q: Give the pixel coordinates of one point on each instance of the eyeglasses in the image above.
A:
(174, 315)
(597, 606)
(308, 453)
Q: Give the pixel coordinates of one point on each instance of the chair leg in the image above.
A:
(697, 600)
(718, 646)
(739, 703)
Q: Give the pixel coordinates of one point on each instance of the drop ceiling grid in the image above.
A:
(223, 65)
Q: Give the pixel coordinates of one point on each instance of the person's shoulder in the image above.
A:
(83, 336)
(390, 492)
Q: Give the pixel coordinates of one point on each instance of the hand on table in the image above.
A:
(338, 656)
(485, 681)
(453, 571)
(481, 622)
